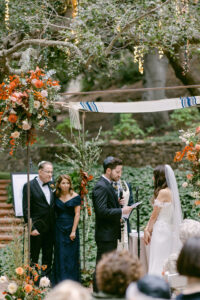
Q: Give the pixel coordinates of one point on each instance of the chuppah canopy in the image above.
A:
(127, 107)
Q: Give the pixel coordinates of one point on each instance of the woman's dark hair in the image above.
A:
(188, 262)
(116, 270)
(111, 162)
(159, 179)
(58, 189)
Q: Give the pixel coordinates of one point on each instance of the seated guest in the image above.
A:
(189, 228)
(188, 264)
(114, 272)
(149, 287)
(68, 290)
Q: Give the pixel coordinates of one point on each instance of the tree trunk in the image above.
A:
(155, 70)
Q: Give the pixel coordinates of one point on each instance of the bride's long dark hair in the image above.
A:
(159, 179)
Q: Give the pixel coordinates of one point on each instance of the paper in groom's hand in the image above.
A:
(126, 216)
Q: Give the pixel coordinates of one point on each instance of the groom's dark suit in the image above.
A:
(108, 214)
(42, 215)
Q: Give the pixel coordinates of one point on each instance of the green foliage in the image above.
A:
(184, 118)
(123, 71)
(11, 257)
(127, 128)
(93, 29)
(64, 126)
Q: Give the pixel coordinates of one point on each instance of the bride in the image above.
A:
(162, 230)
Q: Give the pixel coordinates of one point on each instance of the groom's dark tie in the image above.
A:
(46, 183)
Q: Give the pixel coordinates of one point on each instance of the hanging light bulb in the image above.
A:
(6, 19)
(139, 57)
(75, 8)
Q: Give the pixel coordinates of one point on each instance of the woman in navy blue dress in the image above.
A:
(67, 245)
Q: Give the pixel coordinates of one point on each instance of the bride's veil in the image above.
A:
(177, 212)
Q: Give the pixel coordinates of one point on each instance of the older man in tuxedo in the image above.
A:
(42, 215)
(107, 208)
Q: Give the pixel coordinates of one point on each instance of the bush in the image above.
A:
(184, 118)
(127, 128)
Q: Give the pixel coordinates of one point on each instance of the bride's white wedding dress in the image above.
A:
(161, 245)
(165, 238)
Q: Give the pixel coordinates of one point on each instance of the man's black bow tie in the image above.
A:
(46, 183)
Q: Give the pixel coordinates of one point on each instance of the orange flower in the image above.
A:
(37, 83)
(44, 267)
(189, 176)
(178, 156)
(191, 156)
(19, 271)
(12, 118)
(28, 288)
(197, 202)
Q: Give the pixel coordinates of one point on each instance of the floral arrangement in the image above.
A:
(191, 153)
(83, 190)
(26, 103)
(23, 285)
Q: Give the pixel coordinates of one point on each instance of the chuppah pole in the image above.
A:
(138, 220)
(28, 198)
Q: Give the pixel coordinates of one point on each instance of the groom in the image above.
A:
(107, 208)
(42, 215)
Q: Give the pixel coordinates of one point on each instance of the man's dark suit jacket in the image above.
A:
(107, 210)
(41, 213)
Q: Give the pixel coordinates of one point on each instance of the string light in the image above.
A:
(139, 58)
(75, 8)
(6, 19)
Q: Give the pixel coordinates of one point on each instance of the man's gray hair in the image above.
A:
(43, 163)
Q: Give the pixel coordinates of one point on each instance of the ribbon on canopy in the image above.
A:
(129, 107)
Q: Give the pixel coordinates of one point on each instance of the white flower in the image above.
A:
(44, 282)
(12, 287)
(44, 93)
(5, 119)
(15, 134)
(41, 123)
(26, 125)
(36, 104)
(185, 184)
(33, 81)
(13, 111)
(39, 116)
(3, 279)
(45, 104)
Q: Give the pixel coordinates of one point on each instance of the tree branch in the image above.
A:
(186, 78)
(40, 42)
(110, 46)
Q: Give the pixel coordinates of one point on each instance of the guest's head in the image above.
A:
(189, 228)
(112, 168)
(68, 290)
(160, 181)
(188, 262)
(149, 287)
(45, 171)
(116, 270)
(64, 185)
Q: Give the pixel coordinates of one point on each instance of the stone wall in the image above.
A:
(134, 154)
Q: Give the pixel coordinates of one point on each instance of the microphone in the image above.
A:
(121, 195)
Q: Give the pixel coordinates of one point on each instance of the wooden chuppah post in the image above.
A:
(28, 199)
(84, 200)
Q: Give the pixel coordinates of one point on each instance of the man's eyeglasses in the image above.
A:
(48, 172)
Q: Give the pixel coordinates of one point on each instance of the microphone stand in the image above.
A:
(138, 220)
